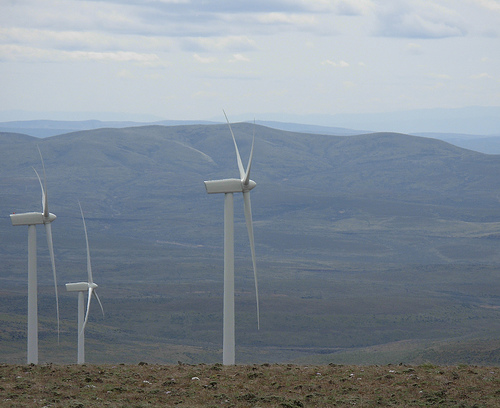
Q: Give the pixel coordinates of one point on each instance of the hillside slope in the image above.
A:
(361, 240)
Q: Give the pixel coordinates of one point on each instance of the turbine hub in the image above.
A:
(251, 184)
(51, 217)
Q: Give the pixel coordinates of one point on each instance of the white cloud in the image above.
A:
(413, 48)
(419, 19)
(204, 60)
(68, 15)
(285, 18)
(125, 73)
(82, 40)
(340, 64)
(239, 58)
(219, 44)
(439, 76)
(353, 7)
(482, 75)
(32, 54)
(167, 18)
(120, 56)
(349, 84)
(493, 5)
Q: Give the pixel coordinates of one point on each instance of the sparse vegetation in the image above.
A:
(265, 385)
(444, 315)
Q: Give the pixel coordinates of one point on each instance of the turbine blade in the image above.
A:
(43, 191)
(247, 175)
(88, 308)
(45, 203)
(89, 266)
(248, 218)
(99, 300)
(238, 157)
(48, 231)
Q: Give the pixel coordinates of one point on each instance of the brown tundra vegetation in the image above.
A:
(265, 385)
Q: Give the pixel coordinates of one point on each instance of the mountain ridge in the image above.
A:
(484, 143)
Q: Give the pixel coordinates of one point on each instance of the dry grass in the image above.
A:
(267, 385)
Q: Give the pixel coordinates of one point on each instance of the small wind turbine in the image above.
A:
(32, 219)
(228, 187)
(81, 287)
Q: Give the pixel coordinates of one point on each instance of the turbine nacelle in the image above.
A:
(229, 186)
(80, 286)
(31, 218)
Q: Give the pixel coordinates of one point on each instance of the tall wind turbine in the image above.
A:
(81, 287)
(32, 219)
(228, 187)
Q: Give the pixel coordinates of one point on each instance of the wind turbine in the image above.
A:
(32, 219)
(228, 187)
(81, 287)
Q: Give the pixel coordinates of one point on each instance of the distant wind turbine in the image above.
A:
(228, 187)
(81, 287)
(31, 219)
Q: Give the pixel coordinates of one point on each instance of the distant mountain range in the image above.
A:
(474, 128)
(47, 128)
(472, 120)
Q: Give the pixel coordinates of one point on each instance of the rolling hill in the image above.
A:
(366, 240)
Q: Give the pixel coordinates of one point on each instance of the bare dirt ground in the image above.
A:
(266, 385)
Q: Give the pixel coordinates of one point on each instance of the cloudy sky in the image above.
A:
(188, 59)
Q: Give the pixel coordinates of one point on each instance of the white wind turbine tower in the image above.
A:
(228, 187)
(81, 288)
(32, 219)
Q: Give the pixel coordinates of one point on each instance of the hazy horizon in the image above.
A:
(474, 120)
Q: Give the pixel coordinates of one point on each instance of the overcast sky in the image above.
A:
(182, 59)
